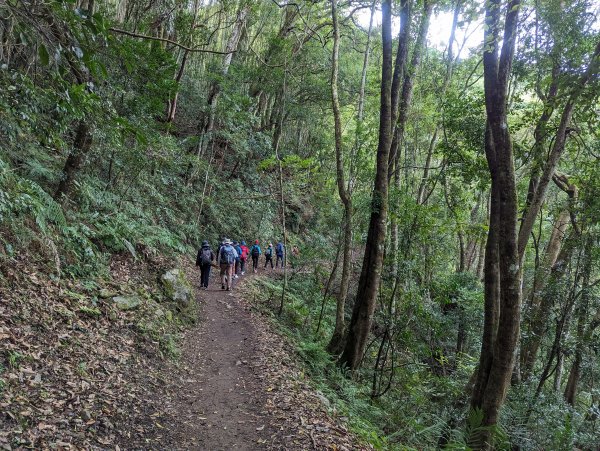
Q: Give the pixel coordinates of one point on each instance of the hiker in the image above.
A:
(279, 251)
(238, 259)
(244, 257)
(269, 255)
(226, 260)
(204, 260)
(255, 252)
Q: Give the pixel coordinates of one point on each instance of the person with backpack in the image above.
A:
(204, 260)
(255, 252)
(269, 255)
(226, 260)
(279, 251)
(244, 256)
(238, 260)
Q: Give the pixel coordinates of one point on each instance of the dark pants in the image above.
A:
(255, 262)
(279, 258)
(267, 260)
(204, 274)
(242, 265)
(237, 266)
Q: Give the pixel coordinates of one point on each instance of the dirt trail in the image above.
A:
(216, 399)
(238, 387)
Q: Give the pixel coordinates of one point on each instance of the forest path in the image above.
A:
(238, 386)
(217, 398)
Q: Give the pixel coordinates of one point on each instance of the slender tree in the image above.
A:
(338, 333)
(368, 284)
(502, 272)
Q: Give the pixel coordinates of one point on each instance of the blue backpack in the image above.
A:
(227, 255)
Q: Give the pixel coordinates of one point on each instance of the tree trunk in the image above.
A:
(328, 286)
(550, 271)
(446, 83)
(502, 280)
(81, 146)
(335, 344)
(215, 90)
(583, 335)
(400, 108)
(276, 141)
(368, 284)
(407, 89)
(560, 138)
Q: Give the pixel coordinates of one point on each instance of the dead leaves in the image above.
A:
(69, 362)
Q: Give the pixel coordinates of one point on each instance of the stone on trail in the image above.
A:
(323, 399)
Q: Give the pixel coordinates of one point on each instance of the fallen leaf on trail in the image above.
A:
(260, 428)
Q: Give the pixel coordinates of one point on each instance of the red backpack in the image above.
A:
(245, 252)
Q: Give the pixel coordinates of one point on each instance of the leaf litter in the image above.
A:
(71, 379)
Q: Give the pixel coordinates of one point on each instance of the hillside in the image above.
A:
(430, 169)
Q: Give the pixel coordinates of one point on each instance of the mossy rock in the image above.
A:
(127, 302)
(106, 293)
(177, 288)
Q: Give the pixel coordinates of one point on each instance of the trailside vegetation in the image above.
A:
(443, 196)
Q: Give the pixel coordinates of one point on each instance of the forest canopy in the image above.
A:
(437, 163)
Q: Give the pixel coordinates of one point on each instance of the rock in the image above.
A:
(177, 288)
(86, 415)
(323, 399)
(127, 302)
(105, 293)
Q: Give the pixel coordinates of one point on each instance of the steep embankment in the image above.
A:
(77, 356)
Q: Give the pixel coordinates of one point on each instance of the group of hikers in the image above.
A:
(231, 258)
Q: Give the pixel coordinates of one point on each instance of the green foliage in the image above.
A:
(149, 186)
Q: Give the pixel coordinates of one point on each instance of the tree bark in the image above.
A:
(368, 284)
(584, 333)
(446, 83)
(334, 346)
(215, 90)
(549, 272)
(400, 119)
(81, 146)
(502, 279)
(400, 108)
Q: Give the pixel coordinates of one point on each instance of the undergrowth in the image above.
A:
(422, 410)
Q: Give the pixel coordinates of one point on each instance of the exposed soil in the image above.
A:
(237, 386)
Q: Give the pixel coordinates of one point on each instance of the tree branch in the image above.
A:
(169, 41)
